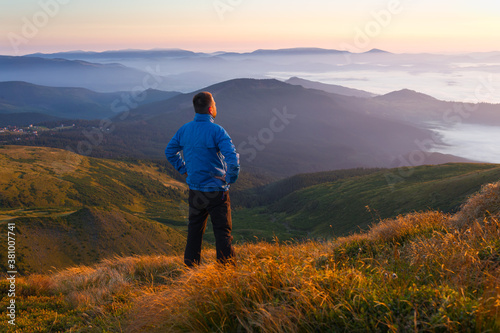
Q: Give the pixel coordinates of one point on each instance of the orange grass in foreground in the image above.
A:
(425, 272)
(413, 273)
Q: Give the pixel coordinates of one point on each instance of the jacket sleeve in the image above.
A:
(231, 157)
(173, 153)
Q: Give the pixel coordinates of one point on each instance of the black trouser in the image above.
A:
(218, 205)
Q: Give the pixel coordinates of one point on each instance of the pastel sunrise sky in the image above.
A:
(445, 26)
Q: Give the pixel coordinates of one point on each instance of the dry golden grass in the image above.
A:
(422, 272)
(418, 272)
(482, 204)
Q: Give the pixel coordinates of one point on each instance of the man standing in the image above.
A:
(211, 164)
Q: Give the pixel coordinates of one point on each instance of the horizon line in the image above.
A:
(373, 50)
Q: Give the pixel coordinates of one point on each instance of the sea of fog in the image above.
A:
(476, 142)
(461, 85)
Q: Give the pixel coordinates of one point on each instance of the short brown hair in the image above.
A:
(202, 101)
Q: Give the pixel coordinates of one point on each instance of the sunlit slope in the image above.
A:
(69, 209)
(35, 177)
(88, 236)
(420, 272)
(348, 205)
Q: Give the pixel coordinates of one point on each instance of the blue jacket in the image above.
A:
(210, 158)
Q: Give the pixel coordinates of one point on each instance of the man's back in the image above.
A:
(210, 159)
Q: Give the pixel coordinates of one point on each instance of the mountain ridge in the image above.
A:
(70, 73)
(406, 95)
(255, 103)
(314, 130)
(17, 97)
(332, 88)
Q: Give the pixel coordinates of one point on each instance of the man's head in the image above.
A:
(204, 103)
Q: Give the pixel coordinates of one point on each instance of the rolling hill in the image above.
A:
(18, 98)
(69, 209)
(71, 73)
(279, 129)
(420, 272)
(87, 236)
(341, 202)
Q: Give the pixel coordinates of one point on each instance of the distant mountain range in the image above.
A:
(178, 53)
(43, 103)
(185, 71)
(71, 73)
(278, 128)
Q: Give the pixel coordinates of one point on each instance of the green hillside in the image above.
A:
(86, 237)
(49, 193)
(23, 103)
(349, 204)
(70, 209)
(420, 272)
(40, 178)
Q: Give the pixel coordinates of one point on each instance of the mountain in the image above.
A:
(339, 203)
(121, 54)
(25, 119)
(69, 209)
(377, 51)
(297, 51)
(325, 131)
(279, 129)
(77, 73)
(18, 98)
(425, 111)
(286, 129)
(406, 95)
(332, 88)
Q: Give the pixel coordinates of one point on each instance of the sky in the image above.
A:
(401, 26)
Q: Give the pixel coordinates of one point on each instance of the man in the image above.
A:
(211, 163)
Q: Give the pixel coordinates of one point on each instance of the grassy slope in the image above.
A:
(421, 272)
(87, 236)
(33, 177)
(43, 185)
(69, 209)
(346, 205)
